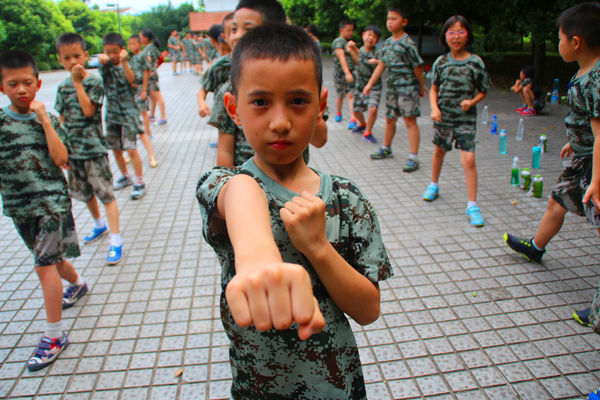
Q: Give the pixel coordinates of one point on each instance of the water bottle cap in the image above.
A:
(543, 137)
(503, 132)
(557, 80)
(494, 116)
(525, 172)
(515, 159)
(538, 177)
(537, 149)
(520, 119)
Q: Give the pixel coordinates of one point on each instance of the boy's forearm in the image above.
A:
(340, 55)
(87, 106)
(129, 75)
(377, 73)
(433, 97)
(202, 97)
(478, 97)
(595, 122)
(145, 81)
(56, 148)
(420, 77)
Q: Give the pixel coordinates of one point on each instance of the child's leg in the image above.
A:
(528, 97)
(389, 132)
(436, 163)
(370, 119)
(350, 98)
(414, 135)
(136, 161)
(156, 96)
(522, 97)
(52, 289)
(360, 118)
(146, 120)
(146, 141)
(339, 102)
(152, 106)
(112, 215)
(553, 220)
(67, 272)
(120, 161)
(468, 161)
(92, 205)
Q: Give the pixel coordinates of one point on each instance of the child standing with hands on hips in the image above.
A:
(460, 81)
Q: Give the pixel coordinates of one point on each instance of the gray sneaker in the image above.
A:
(122, 182)
(138, 192)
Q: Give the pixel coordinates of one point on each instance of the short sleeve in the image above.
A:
(414, 57)
(436, 73)
(483, 81)
(59, 103)
(95, 92)
(366, 250)
(592, 94)
(338, 44)
(525, 82)
(60, 131)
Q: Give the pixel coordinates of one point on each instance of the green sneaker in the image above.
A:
(382, 153)
(525, 247)
(411, 165)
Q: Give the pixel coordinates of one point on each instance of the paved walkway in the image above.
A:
(463, 318)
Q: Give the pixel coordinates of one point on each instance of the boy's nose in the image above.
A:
(280, 123)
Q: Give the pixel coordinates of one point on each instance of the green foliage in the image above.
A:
(162, 19)
(43, 66)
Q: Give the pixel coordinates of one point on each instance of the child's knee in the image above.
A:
(410, 121)
(468, 160)
(438, 152)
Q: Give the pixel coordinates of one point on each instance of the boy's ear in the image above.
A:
(39, 85)
(576, 40)
(404, 21)
(2, 88)
(85, 53)
(231, 107)
(322, 103)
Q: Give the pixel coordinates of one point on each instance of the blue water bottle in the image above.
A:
(537, 154)
(503, 141)
(554, 99)
(494, 130)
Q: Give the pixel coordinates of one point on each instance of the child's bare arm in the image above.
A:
(593, 191)
(304, 218)
(144, 94)
(225, 150)
(436, 114)
(56, 148)
(265, 291)
(203, 108)
(339, 53)
(87, 106)
(421, 78)
(353, 50)
(376, 75)
(466, 104)
(129, 75)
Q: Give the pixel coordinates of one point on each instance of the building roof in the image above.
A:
(114, 9)
(202, 21)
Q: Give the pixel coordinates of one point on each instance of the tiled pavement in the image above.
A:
(463, 318)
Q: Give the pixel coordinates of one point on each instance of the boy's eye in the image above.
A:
(260, 102)
(299, 101)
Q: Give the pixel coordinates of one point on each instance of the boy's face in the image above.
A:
(370, 39)
(395, 22)
(113, 51)
(224, 49)
(70, 55)
(347, 32)
(568, 48)
(226, 35)
(278, 119)
(20, 85)
(244, 19)
(134, 45)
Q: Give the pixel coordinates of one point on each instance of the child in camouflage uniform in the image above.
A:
(122, 119)
(79, 101)
(35, 195)
(210, 43)
(405, 83)
(344, 71)
(534, 99)
(459, 81)
(188, 46)
(151, 50)
(311, 248)
(578, 187)
(367, 59)
(140, 65)
(175, 51)
(199, 56)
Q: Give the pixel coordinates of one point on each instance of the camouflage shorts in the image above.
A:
(403, 105)
(362, 102)
(120, 137)
(153, 85)
(143, 105)
(89, 178)
(463, 138)
(176, 56)
(50, 238)
(342, 86)
(571, 187)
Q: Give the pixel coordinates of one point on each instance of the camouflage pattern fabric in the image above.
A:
(153, 86)
(584, 104)
(340, 43)
(84, 134)
(139, 63)
(362, 102)
(152, 51)
(275, 363)
(89, 178)
(458, 81)
(121, 107)
(218, 73)
(188, 45)
(403, 105)
(463, 140)
(175, 55)
(400, 59)
(572, 185)
(50, 238)
(197, 58)
(342, 86)
(211, 51)
(540, 99)
(30, 183)
(365, 70)
(121, 137)
(595, 313)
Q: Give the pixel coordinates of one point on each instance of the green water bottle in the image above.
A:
(514, 172)
(538, 186)
(525, 181)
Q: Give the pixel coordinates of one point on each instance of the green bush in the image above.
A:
(43, 66)
(55, 65)
(326, 47)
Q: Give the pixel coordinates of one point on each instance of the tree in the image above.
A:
(84, 21)
(162, 19)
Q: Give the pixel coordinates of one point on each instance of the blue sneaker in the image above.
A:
(431, 193)
(583, 316)
(382, 153)
(47, 352)
(161, 121)
(151, 118)
(338, 117)
(353, 123)
(96, 234)
(411, 165)
(369, 138)
(72, 294)
(213, 144)
(114, 255)
(359, 128)
(595, 395)
(475, 217)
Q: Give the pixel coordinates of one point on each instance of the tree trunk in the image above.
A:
(539, 61)
(420, 40)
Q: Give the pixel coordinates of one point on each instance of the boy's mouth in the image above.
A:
(23, 99)
(280, 145)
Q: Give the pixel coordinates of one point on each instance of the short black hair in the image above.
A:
(275, 42)
(67, 38)
(226, 18)
(113, 38)
(16, 59)
(583, 20)
(375, 29)
(400, 9)
(221, 40)
(313, 30)
(345, 22)
(215, 31)
(136, 37)
(451, 21)
(270, 10)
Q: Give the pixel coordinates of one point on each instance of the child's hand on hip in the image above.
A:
(304, 219)
(275, 295)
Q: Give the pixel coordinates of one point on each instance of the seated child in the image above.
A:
(35, 195)
(314, 236)
(531, 92)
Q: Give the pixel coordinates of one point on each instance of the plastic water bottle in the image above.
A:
(520, 129)
(543, 142)
(537, 154)
(525, 181)
(538, 186)
(502, 141)
(484, 115)
(494, 130)
(514, 172)
(554, 98)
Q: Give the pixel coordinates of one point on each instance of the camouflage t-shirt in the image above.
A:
(30, 183)
(121, 107)
(209, 49)
(152, 51)
(174, 42)
(458, 81)
(218, 73)
(340, 43)
(584, 104)
(84, 134)
(540, 100)
(138, 64)
(365, 70)
(188, 45)
(276, 363)
(401, 58)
